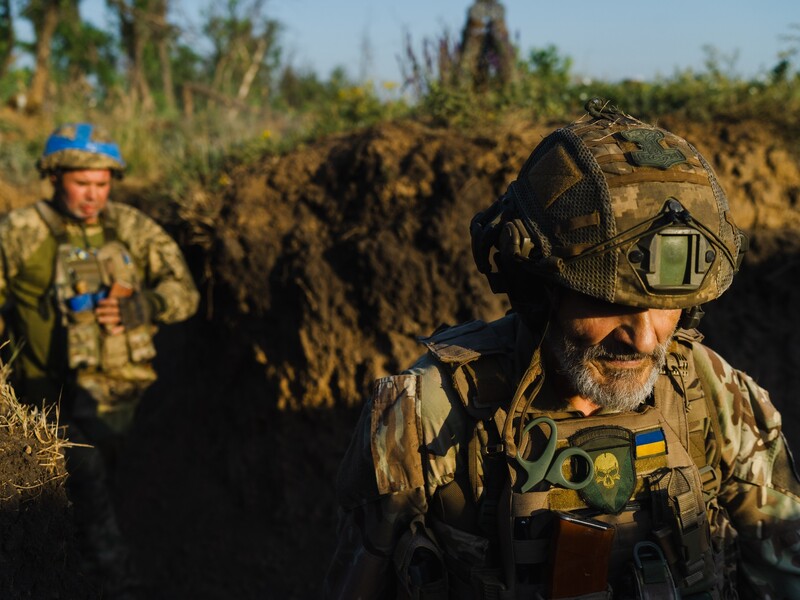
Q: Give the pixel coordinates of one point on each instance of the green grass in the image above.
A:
(179, 153)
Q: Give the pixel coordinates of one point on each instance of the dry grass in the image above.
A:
(39, 426)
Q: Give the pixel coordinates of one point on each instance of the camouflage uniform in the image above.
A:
(28, 251)
(437, 497)
(411, 450)
(96, 406)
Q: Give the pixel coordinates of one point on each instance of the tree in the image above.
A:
(246, 50)
(134, 35)
(84, 58)
(7, 37)
(486, 52)
(147, 38)
(163, 34)
(44, 15)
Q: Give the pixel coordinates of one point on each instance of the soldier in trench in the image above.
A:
(83, 281)
(587, 445)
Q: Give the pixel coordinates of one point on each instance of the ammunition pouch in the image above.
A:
(115, 351)
(681, 528)
(83, 278)
(89, 346)
(83, 340)
(134, 311)
(421, 573)
(651, 574)
(140, 343)
(466, 558)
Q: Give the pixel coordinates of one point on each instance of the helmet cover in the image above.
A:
(617, 209)
(80, 146)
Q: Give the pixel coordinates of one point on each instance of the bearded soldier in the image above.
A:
(82, 281)
(587, 445)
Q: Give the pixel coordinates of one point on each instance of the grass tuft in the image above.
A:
(38, 426)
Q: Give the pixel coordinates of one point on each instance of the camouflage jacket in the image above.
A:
(27, 260)
(411, 447)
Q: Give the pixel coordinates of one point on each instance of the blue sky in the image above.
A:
(612, 40)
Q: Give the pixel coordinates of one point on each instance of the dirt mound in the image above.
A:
(330, 260)
(38, 552)
(334, 257)
(758, 168)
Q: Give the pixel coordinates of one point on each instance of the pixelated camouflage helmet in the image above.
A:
(80, 146)
(616, 209)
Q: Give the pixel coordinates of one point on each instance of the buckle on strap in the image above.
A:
(493, 449)
(710, 478)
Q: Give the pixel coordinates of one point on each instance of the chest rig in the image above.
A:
(82, 276)
(653, 479)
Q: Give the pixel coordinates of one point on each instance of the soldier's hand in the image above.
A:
(108, 315)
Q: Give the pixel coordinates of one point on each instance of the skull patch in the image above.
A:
(606, 470)
(611, 450)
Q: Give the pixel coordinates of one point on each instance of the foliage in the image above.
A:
(7, 37)
(83, 53)
(236, 97)
(546, 89)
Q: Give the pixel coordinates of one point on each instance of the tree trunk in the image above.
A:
(139, 85)
(7, 38)
(188, 101)
(44, 38)
(162, 36)
(134, 33)
(252, 69)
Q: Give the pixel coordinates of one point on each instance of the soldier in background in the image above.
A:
(587, 445)
(83, 280)
(486, 51)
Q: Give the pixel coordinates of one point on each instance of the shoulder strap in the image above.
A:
(703, 433)
(53, 220)
(55, 223)
(476, 354)
(109, 221)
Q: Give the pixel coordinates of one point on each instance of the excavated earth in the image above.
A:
(38, 554)
(318, 269)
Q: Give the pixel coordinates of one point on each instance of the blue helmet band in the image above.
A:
(73, 146)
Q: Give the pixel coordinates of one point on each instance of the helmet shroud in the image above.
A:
(80, 146)
(616, 209)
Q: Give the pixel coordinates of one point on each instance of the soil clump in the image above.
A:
(38, 550)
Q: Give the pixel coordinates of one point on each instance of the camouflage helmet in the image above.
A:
(616, 209)
(80, 146)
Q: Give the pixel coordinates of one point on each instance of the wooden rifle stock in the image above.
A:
(579, 556)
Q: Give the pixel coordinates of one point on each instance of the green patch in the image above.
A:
(611, 450)
(652, 153)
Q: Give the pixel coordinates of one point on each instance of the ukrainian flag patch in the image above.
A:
(651, 443)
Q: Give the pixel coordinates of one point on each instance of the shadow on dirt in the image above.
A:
(318, 270)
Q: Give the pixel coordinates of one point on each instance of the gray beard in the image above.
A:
(623, 390)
